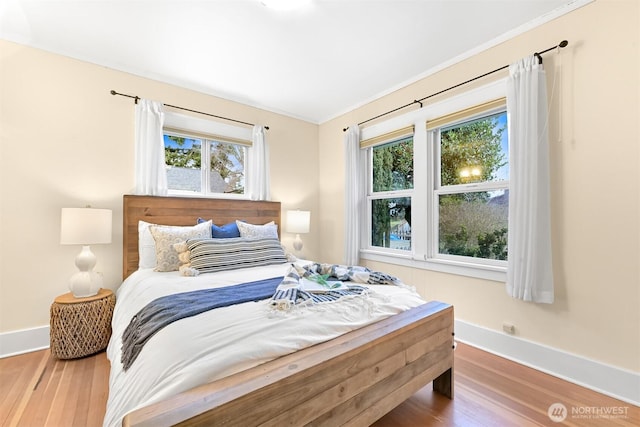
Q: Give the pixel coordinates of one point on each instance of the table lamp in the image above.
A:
(298, 222)
(85, 226)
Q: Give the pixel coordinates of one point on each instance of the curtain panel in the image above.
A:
(258, 183)
(353, 195)
(150, 170)
(529, 272)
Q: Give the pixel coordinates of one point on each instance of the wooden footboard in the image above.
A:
(351, 380)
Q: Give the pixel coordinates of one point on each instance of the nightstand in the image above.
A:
(81, 326)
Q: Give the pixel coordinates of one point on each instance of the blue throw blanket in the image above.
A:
(166, 310)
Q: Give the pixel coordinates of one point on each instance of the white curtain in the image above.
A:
(353, 195)
(529, 274)
(150, 170)
(258, 166)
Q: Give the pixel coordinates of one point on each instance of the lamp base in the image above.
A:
(297, 243)
(86, 282)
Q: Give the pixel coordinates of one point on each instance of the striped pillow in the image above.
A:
(211, 255)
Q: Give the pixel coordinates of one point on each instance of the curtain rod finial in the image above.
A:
(113, 92)
(563, 43)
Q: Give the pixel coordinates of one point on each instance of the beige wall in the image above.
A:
(66, 142)
(595, 158)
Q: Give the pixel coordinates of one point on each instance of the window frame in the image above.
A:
(434, 136)
(384, 195)
(208, 131)
(424, 233)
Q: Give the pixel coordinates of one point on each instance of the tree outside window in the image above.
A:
(392, 176)
(473, 156)
(187, 170)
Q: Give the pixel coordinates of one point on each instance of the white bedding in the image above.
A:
(223, 341)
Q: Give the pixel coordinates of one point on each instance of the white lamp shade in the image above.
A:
(85, 226)
(298, 221)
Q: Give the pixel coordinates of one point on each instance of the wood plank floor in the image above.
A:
(39, 390)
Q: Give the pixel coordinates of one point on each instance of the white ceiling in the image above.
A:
(314, 63)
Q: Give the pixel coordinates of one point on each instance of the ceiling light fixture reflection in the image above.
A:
(286, 4)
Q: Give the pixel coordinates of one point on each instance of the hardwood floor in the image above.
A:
(39, 390)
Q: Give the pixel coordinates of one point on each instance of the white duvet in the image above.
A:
(227, 340)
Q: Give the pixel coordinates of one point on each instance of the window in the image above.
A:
(438, 194)
(194, 164)
(205, 158)
(391, 187)
(471, 188)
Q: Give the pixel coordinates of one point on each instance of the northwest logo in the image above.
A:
(557, 412)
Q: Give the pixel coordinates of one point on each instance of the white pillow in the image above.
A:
(146, 246)
(266, 231)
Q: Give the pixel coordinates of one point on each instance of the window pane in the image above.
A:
(227, 168)
(475, 151)
(474, 224)
(393, 165)
(183, 159)
(391, 223)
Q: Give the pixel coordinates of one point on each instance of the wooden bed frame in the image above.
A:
(351, 380)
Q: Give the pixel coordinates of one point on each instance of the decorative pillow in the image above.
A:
(210, 255)
(251, 231)
(223, 231)
(165, 236)
(146, 246)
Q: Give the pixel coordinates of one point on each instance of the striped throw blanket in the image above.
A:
(291, 292)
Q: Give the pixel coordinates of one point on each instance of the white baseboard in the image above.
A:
(24, 341)
(606, 379)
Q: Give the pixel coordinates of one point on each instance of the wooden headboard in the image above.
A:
(185, 211)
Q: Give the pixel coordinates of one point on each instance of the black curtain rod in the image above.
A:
(562, 44)
(136, 98)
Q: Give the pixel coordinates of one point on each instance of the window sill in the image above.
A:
(479, 271)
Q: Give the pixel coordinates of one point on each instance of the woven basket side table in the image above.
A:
(81, 326)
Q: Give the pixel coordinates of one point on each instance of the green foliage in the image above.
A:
(380, 224)
(393, 166)
(182, 157)
(471, 145)
(392, 170)
(469, 224)
(386, 214)
(456, 242)
(493, 245)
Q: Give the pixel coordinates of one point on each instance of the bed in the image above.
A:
(353, 378)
